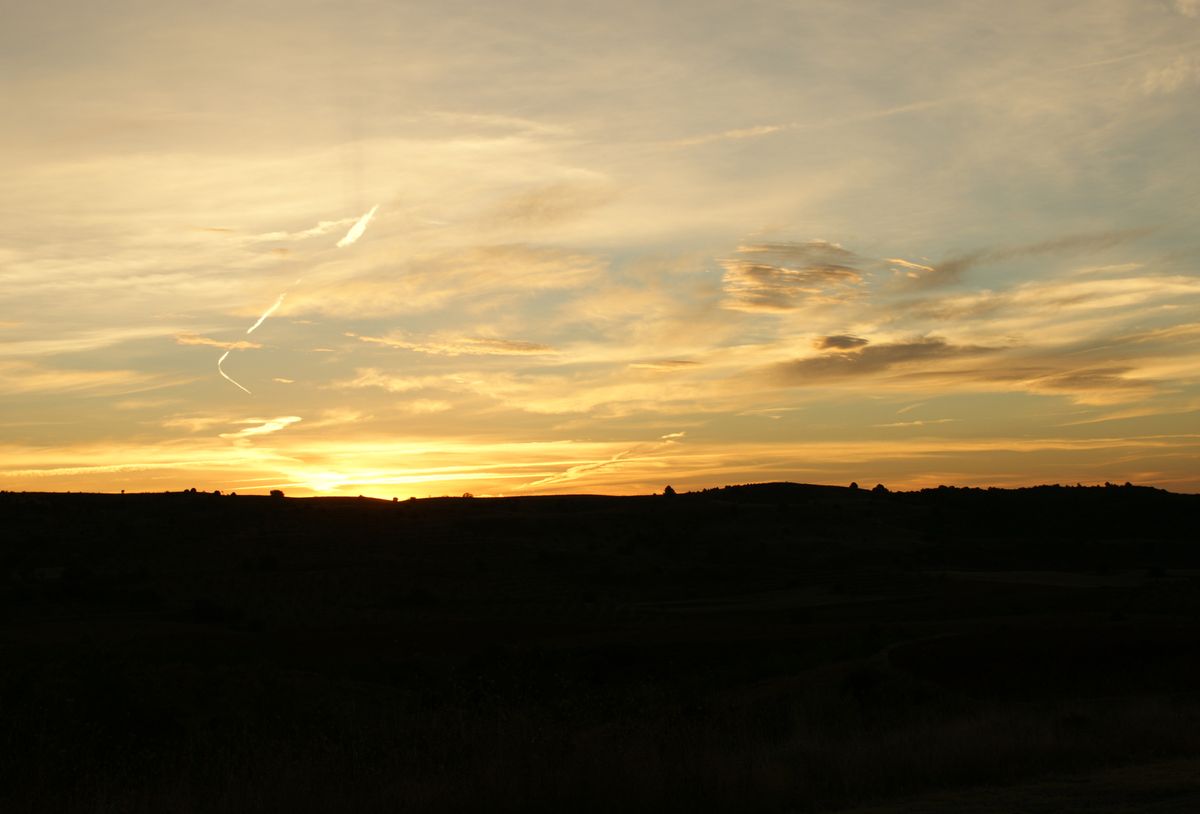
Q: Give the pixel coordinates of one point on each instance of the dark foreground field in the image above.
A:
(762, 648)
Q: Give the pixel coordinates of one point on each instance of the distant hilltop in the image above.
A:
(732, 491)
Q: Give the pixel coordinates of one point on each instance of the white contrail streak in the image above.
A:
(226, 375)
(356, 231)
(267, 313)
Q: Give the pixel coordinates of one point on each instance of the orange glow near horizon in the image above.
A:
(499, 469)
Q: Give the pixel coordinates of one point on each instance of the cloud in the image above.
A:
(1184, 70)
(800, 252)
(734, 135)
(551, 204)
(357, 230)
(1104, 385)
(919, 423)
(871, 360)
(194, 423)
(261, 426)
(91, 340)
(426, 406)
(839, 342)
(951, 270)
(481, 276)
(337, 417)
(1056, 309)
(911, 266)
(634, 456)
(757, 131)
(367, 377)
(145, 403)
(787, 276)
(443, 345)
(322, 228)
(664, 364)
(196, 339)
(19, 377)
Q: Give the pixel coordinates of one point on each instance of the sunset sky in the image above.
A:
(530, 247)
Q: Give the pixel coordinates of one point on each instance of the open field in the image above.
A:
(763, 648)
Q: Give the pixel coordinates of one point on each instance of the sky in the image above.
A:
(412, 249)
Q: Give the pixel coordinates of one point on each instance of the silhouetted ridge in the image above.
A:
(765, 647)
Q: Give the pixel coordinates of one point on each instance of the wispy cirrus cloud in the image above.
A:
(373, 377)
(1056, 309)
(379, 285)
(869, 360)
(260, 426)
(449, 345)
(23, 377)
(665, 365)
(635, 456)
(1181, 72)
(952, 270)
(197, 339)
(66, 342)
(913, 270)
(760, 130)
(426, 406)
(918, 422)
(321, 228)
(551, 204)
(1102, 385)
(195, 423)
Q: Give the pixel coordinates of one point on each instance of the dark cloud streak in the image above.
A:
(840, 342)
(787, 276)
(952, 270)
(871, 360)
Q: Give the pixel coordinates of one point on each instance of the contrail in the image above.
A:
(226, 375)
(267, 313)
(641, 452)
(356, 231)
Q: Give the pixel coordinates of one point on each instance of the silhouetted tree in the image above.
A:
(854, 484)
(668, 492)
(276, 493)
